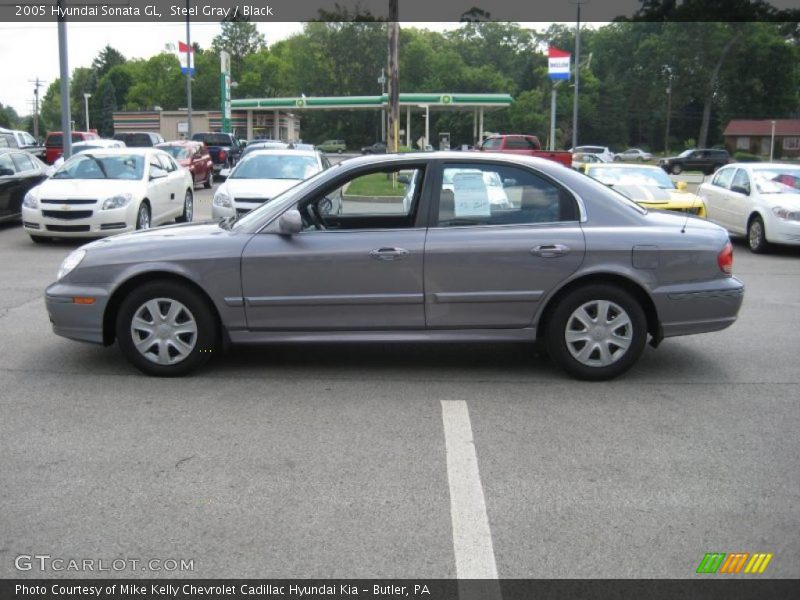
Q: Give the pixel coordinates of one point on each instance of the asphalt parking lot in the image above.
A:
(331, 461)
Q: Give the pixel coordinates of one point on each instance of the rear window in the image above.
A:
(212, 139)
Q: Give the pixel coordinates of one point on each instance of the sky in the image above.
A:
(39, 44)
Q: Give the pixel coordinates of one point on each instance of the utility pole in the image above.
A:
(382, 81)
(37, 84)
(86, 107)
(577, 73)
(66, 117)
(188, 73)
(669, 109)
(394, 91)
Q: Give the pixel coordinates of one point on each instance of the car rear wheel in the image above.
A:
(756, 237)
(143, 216)
(165, 329)
(188, 208)
(209, 179)
(597, 332)
(676, 169)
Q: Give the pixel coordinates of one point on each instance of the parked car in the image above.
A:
(758, 200)
(331, 146)
(224, 149)
(580, 160)
(8, 139)
(25, 141)
(705, 160)
(109, 191)
(570, 262)
(632, 154)
(523, 145)
(263, 145)
(54, 143)
(648, 186)
(194, 157)
(139, 139)
(376, 148)
(79, 147)
(263, 175)
(19, 172)
(603, 152)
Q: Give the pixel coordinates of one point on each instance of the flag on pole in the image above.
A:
(186, 58)
(558, 63)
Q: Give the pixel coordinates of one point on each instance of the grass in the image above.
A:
(375, 184)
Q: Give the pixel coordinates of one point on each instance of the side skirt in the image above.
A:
(427, 335)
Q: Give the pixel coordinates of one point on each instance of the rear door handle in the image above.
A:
(389, 253)
(550, 250)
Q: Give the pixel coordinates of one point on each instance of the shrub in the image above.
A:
(746, 157)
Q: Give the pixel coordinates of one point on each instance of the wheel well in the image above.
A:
(112, 308)
(633, 288)
(752, 216)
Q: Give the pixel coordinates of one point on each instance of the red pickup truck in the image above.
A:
(526, 145)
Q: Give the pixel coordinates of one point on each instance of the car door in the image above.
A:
(714, 196)
(158, 189)
(740, 201)
(177, 185)
(200, 168)
(9, 184)
(30, 175)
(357, 270)
(489, 261)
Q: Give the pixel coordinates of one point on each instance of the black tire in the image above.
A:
(207, 330)
(40, 239)
(141, 215)
(676, 169)
(562, 317)
(339, 151)
(188, 208)
(757, 235)
(209, 182)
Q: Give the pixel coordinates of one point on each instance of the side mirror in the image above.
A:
(290, 222)
(681, 186)
(741, 189)
(6, 172)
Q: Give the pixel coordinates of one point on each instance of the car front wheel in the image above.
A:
(143, 216)
(165, 329)
(676, 169)
(597, 332)
(209, 179)
(756, 238)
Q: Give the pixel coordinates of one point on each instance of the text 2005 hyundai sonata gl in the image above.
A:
(424, 248)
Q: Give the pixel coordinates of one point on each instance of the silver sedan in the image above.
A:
(416, 252)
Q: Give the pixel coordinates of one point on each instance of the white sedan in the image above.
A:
(106, 191)
(262, 175)
(757, 200)
(633, 154)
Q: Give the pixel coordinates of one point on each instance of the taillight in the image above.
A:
(222, 155)
(725, 259)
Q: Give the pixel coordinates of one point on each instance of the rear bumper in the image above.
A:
(81, 322)
(698, 307)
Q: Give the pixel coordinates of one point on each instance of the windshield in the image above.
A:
(275, 166)
(89, 166)
(777, 180)
(654, 177)
(178, 152)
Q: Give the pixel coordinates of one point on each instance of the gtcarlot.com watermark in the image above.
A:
(56, 564)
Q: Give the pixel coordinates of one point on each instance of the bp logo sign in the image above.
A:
(300, 102)
(446, 99)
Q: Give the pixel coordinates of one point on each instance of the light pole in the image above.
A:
(668, 69)
(382, 81)
(772, 142)
(86, 108)
(578, 3)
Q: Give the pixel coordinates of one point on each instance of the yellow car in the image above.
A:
(649, 186)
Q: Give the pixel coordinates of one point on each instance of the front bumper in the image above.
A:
(698, 307)
(81, 322)
(99, 224)
(781, 231)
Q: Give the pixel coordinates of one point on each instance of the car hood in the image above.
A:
(182, 231)
(258, 188)
(87, 188)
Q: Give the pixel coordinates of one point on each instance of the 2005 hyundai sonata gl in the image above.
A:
(415, 248)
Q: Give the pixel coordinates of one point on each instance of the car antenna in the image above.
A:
(691, 209)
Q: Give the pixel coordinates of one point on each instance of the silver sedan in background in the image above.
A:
(419, 252)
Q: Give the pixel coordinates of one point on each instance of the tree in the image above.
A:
(239, 39)
(109, 100)
(107, 59)
(8, 117)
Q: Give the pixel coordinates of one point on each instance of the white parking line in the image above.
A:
(472, 538)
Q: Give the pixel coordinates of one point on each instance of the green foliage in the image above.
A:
(109, 100)
(8, 117)
(746, 157)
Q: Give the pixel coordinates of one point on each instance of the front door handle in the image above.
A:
(389, 253)
(550, 250)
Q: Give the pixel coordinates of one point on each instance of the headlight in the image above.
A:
(786, 214)
(30, 200)
(72, 261)
(222, 199)
(117, 201)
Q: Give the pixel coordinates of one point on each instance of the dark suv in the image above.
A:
(705, 160)
(139, 139)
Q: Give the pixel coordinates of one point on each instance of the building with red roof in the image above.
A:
(755, 135)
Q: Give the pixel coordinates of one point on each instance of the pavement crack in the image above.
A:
(183, 461)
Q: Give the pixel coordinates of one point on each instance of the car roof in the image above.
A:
(178, 143)
(616, 165)
(769, 165)
(282, 151)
